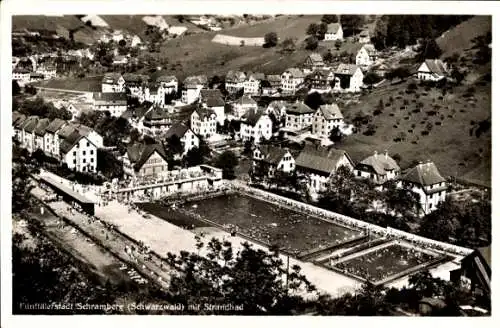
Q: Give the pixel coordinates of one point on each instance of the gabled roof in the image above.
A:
(273, 78)
(17, 118)
(272, 154)
(320, 160)
(166, 78)
(333, 28)
(364, 33)
(68, 143)
(41, 126)
(295, 72)
(252, 117)
(315, 57)
(138, 154)
(214, 102)
(298, 108)
(204, 112)
(331, 111)
(323, 73)
(114, 98)
(30, 124)
(156, 113)
(177, 129)
(235, 76)
(424, 174)
(66, 131)
(135, 78)
(139, 111)
(370, 48)
(246, 100)
(381, 163)
(346, 69)
(111, 78)
(436, 66)
(208, 93)
(256, 76)
(195, 80)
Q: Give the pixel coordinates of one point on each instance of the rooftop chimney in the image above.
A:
(386, 154)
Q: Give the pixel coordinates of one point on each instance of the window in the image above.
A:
(88, 144)
(74, 154)
(84, 169)
(74, 161)
(91, 160)
(83, 153)
(359, 173)
(91, 152)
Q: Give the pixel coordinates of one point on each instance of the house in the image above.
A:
(112, 82)
(277, 108)
(135, 84)
(39, 133)
(154, 95)
(51, 137)
(379, 168)
(135, 41)
(255, 126)
(348, 78)
(235, 81)
(334, 32)
(117, 36)
(366, 56)
(76, 108)
(313, 62)
(21, 75)
(204, 122)
(319, 165)
(188, 138)
(136, 116)
(78, 152)
(114, 102)
(215, 104)
(48, 71)
(192, 87)
(432, 70)
(17, 122)
(156, 122)
(244, 105)
(298, 116)
(271, 85)
(90, 134)
(474, 275)
(169, 83)
(28, 135)
(325, 119)
(364, 36)
(144, 161)
(273, 159)
(425, 180)
(35, 77)
(251, 86)
(291, 79)
(321, 79)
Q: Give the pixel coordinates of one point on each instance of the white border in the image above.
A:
(10, 7)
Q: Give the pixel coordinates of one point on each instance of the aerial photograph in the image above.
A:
(319, 165)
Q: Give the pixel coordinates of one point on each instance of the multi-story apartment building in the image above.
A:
(291, 80)
(113, 102)
(255, 126)
(325, 119)
(204, 122)
(112, 82)
(298, 116)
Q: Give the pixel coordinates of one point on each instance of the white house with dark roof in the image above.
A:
(273, 159)
(325, 119)
(334, 32)
(192, 88)
(169, 83)
(79, 153)
(251, 86)
(255, 126)
(348, 78)
(28, 133)
(432, 70)
(114, 102)
(244, 105)
(313, 62)
(425, 180)
(112, 82)
(48, 71)
(319, 165)
(39, 133)
(364, 36)
(144, 161)
(298, 116)
(156, 122)
(51, 138)
(235, 81)
(291, 80)
(321, 80)
(21, 75)
(188, 138)
(366, 55)
(277, 108)
(379, 168)
(215, 102)
(18, 120)
(204, 122)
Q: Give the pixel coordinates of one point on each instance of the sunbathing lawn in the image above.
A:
(268, 223)
(384, 262)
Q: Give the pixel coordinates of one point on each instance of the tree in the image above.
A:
(22, 185)
(288, 45)
(311, 43)
(193, 157)
(314, 100)
(401, 201)
(328, 19)
(380, 34)
(371, 78)
(328, 57)
(255, 279)
(312, 29)
(248, 147)
(227, 161)
(270, 39)
(351, 23)
(174, 145)
(336, 135)
(429, 50)
(16, 89)
(108, 164)
(338, 44)
(322, 29)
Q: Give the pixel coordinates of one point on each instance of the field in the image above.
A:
(90, 84)
(432, 126)
(270, 224)
(383, 262)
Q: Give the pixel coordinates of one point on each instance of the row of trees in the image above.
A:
(41, 108)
